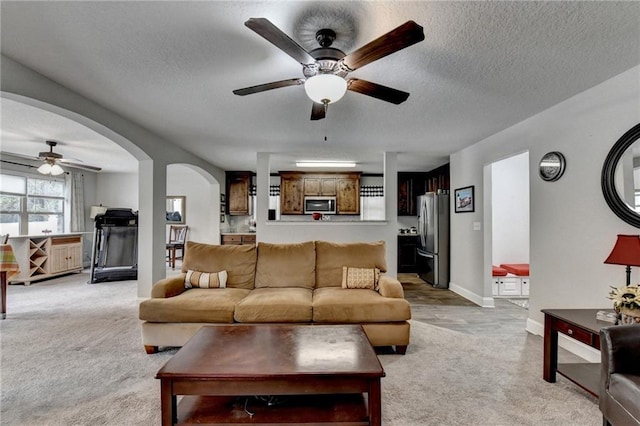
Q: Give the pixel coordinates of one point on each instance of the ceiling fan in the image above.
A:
(51, 159)
(325, 69)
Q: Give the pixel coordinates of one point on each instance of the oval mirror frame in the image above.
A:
(611, 196)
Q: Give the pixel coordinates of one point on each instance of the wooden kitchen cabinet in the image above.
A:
(294, 186)
(322, 186)
(348, 195)
(413, 184)
(238, 239)
(291, 194)
(238, 186)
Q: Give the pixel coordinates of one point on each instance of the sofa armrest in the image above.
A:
(621, 348)
(168, 287)
(390, 287)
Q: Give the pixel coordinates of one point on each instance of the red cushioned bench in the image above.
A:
(519, 269)
(498, 271)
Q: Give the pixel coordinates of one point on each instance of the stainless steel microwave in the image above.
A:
(325, 205)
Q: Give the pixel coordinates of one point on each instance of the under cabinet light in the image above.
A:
(325, 163)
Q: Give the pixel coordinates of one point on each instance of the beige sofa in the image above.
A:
(277, 283)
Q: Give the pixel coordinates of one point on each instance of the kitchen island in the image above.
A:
(46, 256)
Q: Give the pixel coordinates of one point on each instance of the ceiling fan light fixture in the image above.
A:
(50, 168)
(325, 88)
(45, 169)
(56, 170)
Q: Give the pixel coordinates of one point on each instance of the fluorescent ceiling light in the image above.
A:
(325, 163)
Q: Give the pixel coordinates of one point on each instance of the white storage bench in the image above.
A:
(511, 280)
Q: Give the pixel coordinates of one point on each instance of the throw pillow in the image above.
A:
(196, 279)
(360, 277)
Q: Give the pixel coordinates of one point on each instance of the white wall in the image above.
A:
(117, 190)
(572, 228)
(510, 209)
(202, 202)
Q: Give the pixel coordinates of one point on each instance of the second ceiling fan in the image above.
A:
(325, 69)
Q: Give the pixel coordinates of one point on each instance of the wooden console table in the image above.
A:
(581, 325)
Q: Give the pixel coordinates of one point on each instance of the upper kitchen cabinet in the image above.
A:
(295, 186)
(291, 193)
(348, 195)
(413, 184)
(323, 186)
(238, 186)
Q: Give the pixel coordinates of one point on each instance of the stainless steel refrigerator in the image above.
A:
(433, 244)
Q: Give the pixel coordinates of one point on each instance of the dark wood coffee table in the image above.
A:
(320, 372)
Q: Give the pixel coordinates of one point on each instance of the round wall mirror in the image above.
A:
(621, 177)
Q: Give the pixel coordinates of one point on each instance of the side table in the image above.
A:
(578, 324)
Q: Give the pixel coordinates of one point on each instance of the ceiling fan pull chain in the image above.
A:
(325, 102)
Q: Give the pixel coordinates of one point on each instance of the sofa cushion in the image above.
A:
(340, 305)
(205, 279)
(286, 265)
(275, 305)
(239, 262)
(360, 277)
(215, 305)
(331, 257)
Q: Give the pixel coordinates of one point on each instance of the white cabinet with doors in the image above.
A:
(42, 257)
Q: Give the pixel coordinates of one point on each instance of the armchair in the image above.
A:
(620, 375)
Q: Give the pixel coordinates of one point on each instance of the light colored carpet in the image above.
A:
(71, 355)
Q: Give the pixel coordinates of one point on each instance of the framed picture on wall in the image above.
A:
(222, 208)
(221, 217)
(464, 199)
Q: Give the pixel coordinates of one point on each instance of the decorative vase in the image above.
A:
(629, 316)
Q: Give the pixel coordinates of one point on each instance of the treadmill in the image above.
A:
(114, 256)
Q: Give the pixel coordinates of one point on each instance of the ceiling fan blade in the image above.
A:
(15, 154)
(80, 166)
(405, 35)
(377, 91)
(273, 34)
(269, 86)
(318, 111)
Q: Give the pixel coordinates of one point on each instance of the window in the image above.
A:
(31, 205)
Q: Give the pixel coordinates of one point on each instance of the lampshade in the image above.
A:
(626, 251)
(96, 210)
(325, 87)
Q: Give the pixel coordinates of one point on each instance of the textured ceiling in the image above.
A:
(171, 67)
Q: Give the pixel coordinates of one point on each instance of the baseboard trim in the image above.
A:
(583, 351)
(485, 302)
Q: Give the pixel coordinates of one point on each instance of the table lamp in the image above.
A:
(626, 252)
(8, 264)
